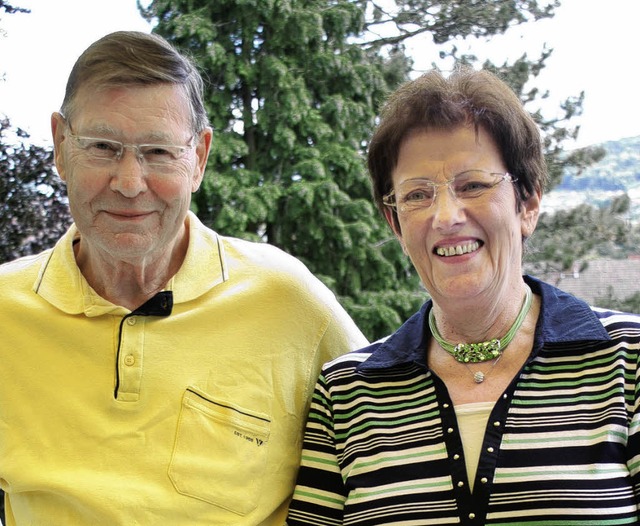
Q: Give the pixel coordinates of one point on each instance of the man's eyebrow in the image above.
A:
(101, 130)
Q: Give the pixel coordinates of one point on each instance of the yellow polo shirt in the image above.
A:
(189, 415)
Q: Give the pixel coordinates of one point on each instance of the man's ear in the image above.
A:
(58, 127)
(202, 153)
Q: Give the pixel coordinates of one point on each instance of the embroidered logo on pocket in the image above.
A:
(219, 449)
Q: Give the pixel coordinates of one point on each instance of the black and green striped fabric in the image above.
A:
(561, 448)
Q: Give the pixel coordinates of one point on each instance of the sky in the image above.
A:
(595, 49)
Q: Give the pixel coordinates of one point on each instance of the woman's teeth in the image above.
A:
(458, 250)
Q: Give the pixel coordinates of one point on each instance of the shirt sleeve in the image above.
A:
(320, 494)
(633, 442)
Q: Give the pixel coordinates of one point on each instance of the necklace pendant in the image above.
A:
(478, 377)
(477, 352)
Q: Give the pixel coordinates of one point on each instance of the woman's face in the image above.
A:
(462, 247)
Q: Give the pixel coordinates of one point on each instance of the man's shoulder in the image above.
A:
(24, 266)
(18, 279)
(263, 256)
(258, 248)
(236, 252)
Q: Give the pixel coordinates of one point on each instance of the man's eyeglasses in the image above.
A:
(417, 194)
(100, 152)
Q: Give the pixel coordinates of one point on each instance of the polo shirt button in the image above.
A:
(131, 321)
(490, 449)
(129, 359)
(450, 430)
(472, 515)
(484, 480)
(496, 424)
(456, 457)
(460, 484)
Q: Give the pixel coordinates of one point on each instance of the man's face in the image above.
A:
(128, 209)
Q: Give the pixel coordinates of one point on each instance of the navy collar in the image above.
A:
(563, 319)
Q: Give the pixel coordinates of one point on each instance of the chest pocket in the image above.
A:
(220, 452)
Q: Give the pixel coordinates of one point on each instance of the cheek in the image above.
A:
(505, 230)
(414, 239)
(181, 182)
(174, 194)
(83, 187)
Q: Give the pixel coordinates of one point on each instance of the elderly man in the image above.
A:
(154, 372)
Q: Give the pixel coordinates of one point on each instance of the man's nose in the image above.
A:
(129, 174)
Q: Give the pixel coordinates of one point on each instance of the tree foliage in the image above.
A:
(9, 9)
(293, 93)
(33, 204)
(447, 19)
(579, 234)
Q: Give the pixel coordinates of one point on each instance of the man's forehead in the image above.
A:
(153, 113)
(171, 98)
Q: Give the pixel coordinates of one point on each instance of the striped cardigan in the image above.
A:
(561, 448)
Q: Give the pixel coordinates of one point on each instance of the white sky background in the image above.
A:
(595, 49)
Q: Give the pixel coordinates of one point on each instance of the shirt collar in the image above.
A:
(61, 283)
(563, 319)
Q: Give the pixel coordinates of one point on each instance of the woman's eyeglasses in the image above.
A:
(419, 193)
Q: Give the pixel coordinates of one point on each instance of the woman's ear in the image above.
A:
(392, 219)
(530, 211)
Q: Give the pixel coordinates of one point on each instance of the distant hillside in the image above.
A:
(597, 185)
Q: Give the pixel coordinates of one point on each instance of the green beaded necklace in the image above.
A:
(483, 351)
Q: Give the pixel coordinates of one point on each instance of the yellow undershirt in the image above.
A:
(472, 420)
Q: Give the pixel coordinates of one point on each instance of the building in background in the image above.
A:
(601, 280)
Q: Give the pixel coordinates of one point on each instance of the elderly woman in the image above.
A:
(503, 400)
